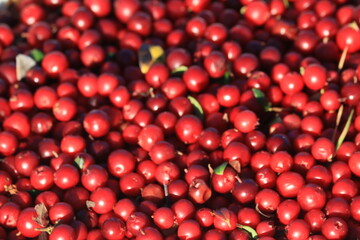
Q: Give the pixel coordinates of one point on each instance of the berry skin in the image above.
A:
(246, 121)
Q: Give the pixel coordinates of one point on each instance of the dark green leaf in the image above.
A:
(261, 98)
(345, 130)
(250, 230)
(220, 169)
(37, 55)
(197, 107)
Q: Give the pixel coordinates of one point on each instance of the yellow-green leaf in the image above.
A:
(197, 107)
(148, 55)
(180, 69)
(250, 230)
(37, 55)
(220, 169)
(79, 161)
(345, 130)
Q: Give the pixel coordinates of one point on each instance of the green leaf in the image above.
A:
(250, 230)
(258, 93)
(37, 55)
(286, 3)
(220, 169)
(227, 76)
(198, 109)
(79, 161)
(261, 98)
(180, 69)
(345, 130)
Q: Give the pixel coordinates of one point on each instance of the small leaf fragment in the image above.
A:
(197, 107)
(236, 165)
(243, 10)
(180, 69)
(337, 123)
(37, 55)
(23, 64)
(343, 58)
(345, 130)
(148, 55)
(286, 3)
(220, 169)
(261, 98)
(42, 217)
(258, 93)
(90, 204)
(250, 230)
(227, 77)
(80, 162)
(223, 214)
(302, 71)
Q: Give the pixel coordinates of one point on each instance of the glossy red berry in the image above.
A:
(246, 121)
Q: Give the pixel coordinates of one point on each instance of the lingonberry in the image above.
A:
(131, 184)
(298, 229)
(183, 210)
(96, 123)
(8, 143)
(102, 200)
(292, 83)
(164, 218)
(189, 229)
(267, 200)
(249, 217)
(26, 224)
(346, 188)
(334, 228)
(42, 178)
(347, 37)
(288, 211)
(120, 162)
(337, 207)
(246, 121)
(67, 176)
(281, 161)
(93, 177)
(311, 196)
(289, 183)
(113, 228)
(225, 219)
(257, 12)
(149, 136)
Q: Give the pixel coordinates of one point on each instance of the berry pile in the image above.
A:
(180, 119)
